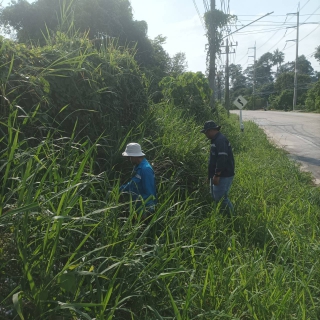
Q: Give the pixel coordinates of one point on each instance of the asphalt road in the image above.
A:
(296, 132)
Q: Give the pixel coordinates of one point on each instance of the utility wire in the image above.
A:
(305, 36)
(243, 57)
(304, 4)
(311, 54)
(258, 32)
(275, 15)
(279, 30)
(292, 31)
(200, 17)
(307, 18)
(273, 36)
(206, 5)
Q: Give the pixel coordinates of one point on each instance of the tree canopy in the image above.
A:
(317, 54)
(100, 19)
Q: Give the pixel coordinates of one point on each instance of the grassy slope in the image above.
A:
(97, 262)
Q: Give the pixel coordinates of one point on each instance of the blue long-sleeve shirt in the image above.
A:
(142, 185)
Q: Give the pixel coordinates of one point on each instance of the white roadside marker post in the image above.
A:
(241, 123)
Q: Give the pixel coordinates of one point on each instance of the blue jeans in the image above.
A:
(220, 193)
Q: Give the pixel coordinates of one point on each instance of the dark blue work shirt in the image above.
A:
(142, 185)
(221, 157)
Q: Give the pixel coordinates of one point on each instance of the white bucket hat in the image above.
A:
(133, 150)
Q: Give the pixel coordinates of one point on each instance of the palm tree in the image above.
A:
(278, 58)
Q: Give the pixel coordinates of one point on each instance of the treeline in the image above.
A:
(274, 82)
(82, 62)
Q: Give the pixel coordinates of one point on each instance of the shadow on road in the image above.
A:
(309, 160)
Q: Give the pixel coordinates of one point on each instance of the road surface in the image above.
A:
(298, 133)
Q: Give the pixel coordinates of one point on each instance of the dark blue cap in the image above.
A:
(210, 125)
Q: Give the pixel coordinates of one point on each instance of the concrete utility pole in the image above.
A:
(212, 63)
(295, 91)
(219, 76)
(254, 74)
(226, 90)
(295, 85)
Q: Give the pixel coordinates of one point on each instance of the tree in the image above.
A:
(263, 70)
(313, 98)
(285, 81)
(31, 20)
(237, 81)
(263, 93)
(98, 18)
(161, 60)
(303, 66)
(278, 58)
(317, 54)
(284, 90)
(282, 101)
(190, 91)
(178, 64)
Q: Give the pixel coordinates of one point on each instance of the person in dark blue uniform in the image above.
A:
(142, 186)
(221, 166)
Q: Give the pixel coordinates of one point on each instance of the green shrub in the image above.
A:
(189, 91)
(313, 98)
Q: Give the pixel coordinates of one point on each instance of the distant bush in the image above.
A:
(189, 91)
(313, 98)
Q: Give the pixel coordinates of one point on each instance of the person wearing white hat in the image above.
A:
(142, 186)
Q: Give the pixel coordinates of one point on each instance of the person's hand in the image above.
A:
(215, 180)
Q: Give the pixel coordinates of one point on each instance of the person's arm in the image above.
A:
(131, 186)
(148, 183)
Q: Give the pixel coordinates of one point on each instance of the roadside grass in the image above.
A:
(68, 250)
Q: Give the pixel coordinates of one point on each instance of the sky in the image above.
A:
(179, 21)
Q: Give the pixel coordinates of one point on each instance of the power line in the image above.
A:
(198, 12)
(270, 24)
(291, 31)
(274, 15)
(310, 54)
(272, 37)
(258, 32)
(206, 5)
(304, 5)
(279, 30)
(308, 17)
(305, 36)
(247, 24)
(263, 21)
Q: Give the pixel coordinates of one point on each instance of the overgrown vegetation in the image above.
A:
(68, 250)
(71, 247)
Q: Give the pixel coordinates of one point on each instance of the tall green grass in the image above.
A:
(71, 249)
